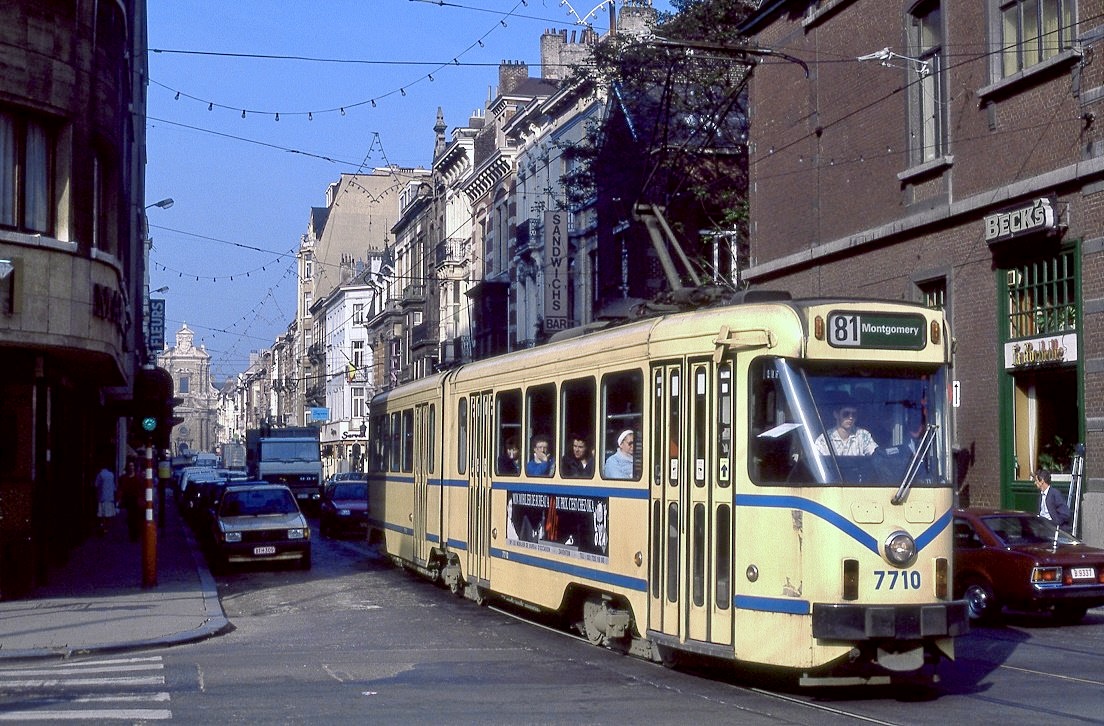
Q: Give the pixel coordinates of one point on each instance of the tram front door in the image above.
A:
(690, 597)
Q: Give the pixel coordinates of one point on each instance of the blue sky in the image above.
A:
(243, 187)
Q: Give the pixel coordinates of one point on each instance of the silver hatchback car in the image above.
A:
(259, 523)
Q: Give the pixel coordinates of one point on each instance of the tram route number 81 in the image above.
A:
(896, 579)
(844, 330)
(874, 330)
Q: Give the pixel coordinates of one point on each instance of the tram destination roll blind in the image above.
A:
(867, 330)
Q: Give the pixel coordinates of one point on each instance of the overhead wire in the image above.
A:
(339, 108)
(969, 58)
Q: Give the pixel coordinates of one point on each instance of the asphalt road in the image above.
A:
(355, 640)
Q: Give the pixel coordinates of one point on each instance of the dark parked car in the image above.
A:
(1021, 561)
(196, 496)
(344, 507)
(259, 523)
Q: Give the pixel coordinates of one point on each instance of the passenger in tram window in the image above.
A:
(619, 465)
(578, 463)
(847, 437)
(540, 460)
(508, 462)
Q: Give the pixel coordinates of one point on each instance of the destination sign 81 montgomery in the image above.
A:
(866, 330)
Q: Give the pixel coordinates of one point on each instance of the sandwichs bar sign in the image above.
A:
(1021, 221)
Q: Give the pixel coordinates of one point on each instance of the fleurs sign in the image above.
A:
(1036, 216)
(1040, 351)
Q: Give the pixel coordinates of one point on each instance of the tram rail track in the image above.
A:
(793, 700)
(877, 697)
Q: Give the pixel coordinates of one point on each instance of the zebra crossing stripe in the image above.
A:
(70, 682)
(109, 672)
(119, 714)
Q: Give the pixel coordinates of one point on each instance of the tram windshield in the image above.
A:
(816, 424)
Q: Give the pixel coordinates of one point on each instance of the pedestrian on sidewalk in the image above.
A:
(132, 491)
(106, 503)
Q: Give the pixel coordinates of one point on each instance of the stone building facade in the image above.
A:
(190, 368)
(72, 266)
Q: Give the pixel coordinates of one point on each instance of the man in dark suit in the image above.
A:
(1052, 505)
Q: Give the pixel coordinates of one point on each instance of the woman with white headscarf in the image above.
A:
(619, 465)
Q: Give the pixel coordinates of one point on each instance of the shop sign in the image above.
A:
(157, 324)
(107, 304)
(1036, 216)
(1050, 350)
(555, 271)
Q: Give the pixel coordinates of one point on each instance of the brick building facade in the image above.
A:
(950, 153)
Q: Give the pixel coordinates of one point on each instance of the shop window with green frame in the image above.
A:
(1042, 320)
(1042, 297)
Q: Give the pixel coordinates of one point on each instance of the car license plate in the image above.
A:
(267, 550)
(1082, 573)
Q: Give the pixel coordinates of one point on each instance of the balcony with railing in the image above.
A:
(413, 294)
(452, 251)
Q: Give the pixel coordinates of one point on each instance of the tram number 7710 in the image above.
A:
(897, 579)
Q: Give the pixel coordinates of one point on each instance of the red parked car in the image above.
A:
(344, 507)
(1021, 561)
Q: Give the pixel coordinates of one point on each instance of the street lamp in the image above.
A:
(147, 330)
(159, 290)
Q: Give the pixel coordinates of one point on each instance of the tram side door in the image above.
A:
(422, 452)
(691, 502)
(666, 502)
(479, 486)
(707, 546)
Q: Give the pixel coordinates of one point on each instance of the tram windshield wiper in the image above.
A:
(800, 398)
(914, 465)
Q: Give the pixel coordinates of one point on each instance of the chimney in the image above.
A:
(511, 74)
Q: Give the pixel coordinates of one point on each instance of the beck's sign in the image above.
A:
(1035, 216)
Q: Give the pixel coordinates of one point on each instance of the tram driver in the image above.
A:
(847, 437)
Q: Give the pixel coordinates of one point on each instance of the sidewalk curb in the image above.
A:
(216, 623)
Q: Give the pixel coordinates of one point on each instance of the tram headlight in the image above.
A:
(900, 548)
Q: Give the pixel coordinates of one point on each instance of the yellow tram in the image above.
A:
(767, 482)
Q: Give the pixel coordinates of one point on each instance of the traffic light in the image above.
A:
(153, 406)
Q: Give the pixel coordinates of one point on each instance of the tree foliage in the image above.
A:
(675, 135)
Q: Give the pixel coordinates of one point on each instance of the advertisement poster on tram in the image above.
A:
(575, 526)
